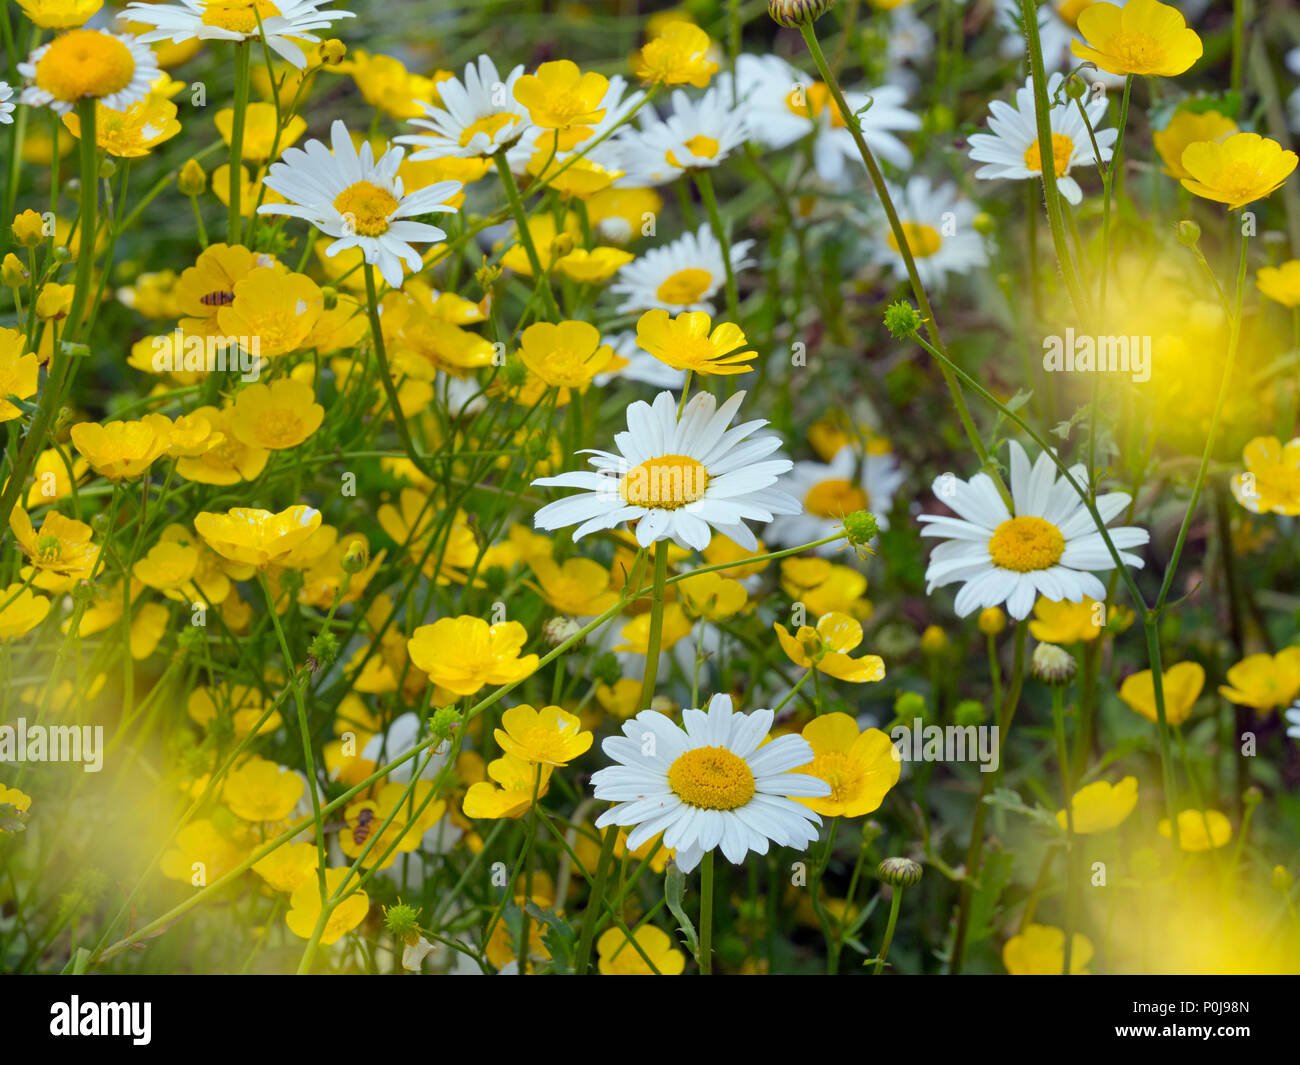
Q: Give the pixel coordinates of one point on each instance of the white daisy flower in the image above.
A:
(359, 200)
(940, 230)
(1011, 150)
(785, 105)
(115, 69)
(6, 108)
(478, 117)
(681, 276)
(641, 365)
(851, 481)
(697, 134)
(284, 23)
(709, 784)
(617, 104)
(1048, 547)
(677, 480)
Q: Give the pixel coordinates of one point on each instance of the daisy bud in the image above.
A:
(902, 320)
(899, 872)
(992, 621)
(794, 13)
(556, 630)
(909, 705)
(1052, 664)
(333, 51)
(13, 272)
(933, 640)
(1075, 87)
(193, 180)
(1188, 232)
(402, 921)
(860, 527)
(984, 224)
(969, 712)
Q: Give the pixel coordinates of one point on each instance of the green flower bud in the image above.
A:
(900, 872)
(902, 319)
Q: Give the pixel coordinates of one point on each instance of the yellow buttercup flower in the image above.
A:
(305, 906)
(1188, 127)
(1237, 171)
(685, 343)
(551, 735)
(260, 790)
(1281, 283)
(230, 461)
(712, 596)
(1063, 622)
(860, 767)
(1264, 681)
(616, 956)
(62, 545)
(679, 55)
(1270, 484)
(19, 372)
(622, 215)
(60, 14)
(1182, 686)
(826, 647)
(405, 829)
(565, 356)
(19, 801)
(28, 229)
(288, 866)
(168, 567)
(1100, 806)
(592, 267)
(257, 537)
(260, 124)
(276, 416)
(512, 794)
(571, 176)
(54, 302)
(209, 285)
(552, 243)
(622, 698)
(134, 132)
(825, 587)
(561, 97)
(1143, 37)
(276, 307)
(580, 587)
(21, 610)
(1039, 950)
(385, 83)
(463, 654)
(201, 843)
(123, 450)
(1199, 831)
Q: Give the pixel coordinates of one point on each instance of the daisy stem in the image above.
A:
(525, 235)
(705, 957)
(529, 849)
(582, 955)
(895, 904)
(1063, 761)
(1042, 113)
(386, 376)
(704, 183)
(86, 220)
(651, 674)
(976, 848)
(900, 239)
(1238, 40)
(243, 66)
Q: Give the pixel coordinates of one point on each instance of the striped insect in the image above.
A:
(219, 298)
(361, 831)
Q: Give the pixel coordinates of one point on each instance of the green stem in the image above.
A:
(243, 70)
(895, 904)
(705, 958)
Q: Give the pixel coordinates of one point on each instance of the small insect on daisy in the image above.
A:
(86, 64)
(359, 200)
(282, 23)
(1049, 546)
(713, 783)
(678, 480)
(1011, 150)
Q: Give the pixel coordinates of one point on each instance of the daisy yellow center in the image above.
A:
(666, 482)
(835, 497)
(815, 100)
(1070, 10)
(923, 240)
(366, 207)
(700, 146)
(1062, 149)
(237, 16)
(842, 773)
(712, 778)
(685, 286)
(489, 125)
(1026, 544)
(85, 64)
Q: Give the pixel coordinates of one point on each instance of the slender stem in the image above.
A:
(525, 235)
(704, 182)
(243, 70)
(582, 955)
(705, 958)
(651, 674)
(895, 904)
(1067, 793)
